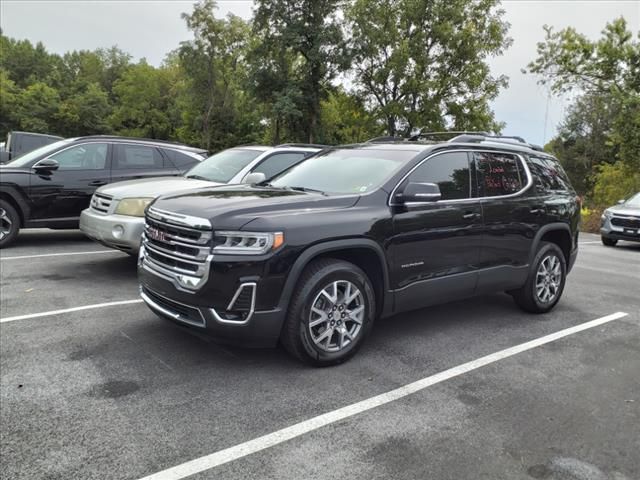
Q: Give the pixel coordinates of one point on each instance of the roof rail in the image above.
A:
(302, 145)
(509, 139)
(139, 139)
(421, 134)
(386, 139)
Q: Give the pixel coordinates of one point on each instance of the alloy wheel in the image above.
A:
(5, 223)
(548, 279)
(337, 315)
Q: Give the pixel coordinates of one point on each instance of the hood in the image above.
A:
(625, 210)
(233, 206)
(5, 169)
(152, 187)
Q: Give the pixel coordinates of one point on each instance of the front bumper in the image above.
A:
(104, 229)
(615, 232)
(260, 329)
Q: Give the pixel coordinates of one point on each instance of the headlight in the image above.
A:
(247, 243)
(133, 207)
(606, 214)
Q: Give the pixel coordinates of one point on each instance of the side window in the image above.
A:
(278, 162)
(450, 171)
(179, 160)
(549, 174)
(136, 156)
(90, 156)
(499, 174)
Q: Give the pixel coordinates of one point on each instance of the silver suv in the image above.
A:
(621, 222)
(115, 217)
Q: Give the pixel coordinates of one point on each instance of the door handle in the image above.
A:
(470, 216)
(536, 211)
(97, 183)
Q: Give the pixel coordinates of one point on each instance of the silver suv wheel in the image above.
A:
(5, 224)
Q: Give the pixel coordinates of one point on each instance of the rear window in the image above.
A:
(179, 160)
(499, 174)
(549, 174)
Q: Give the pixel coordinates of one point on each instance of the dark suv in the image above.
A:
(50, 186)
(359, 232)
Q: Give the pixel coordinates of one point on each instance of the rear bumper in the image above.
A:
(106, 230)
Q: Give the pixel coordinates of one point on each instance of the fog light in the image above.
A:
(118, 231)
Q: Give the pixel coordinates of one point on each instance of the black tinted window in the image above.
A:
(450, 171)
(278, 162)
(89, 156)
(499, 174)
(179, 160)
(136, 156)
(548, 174)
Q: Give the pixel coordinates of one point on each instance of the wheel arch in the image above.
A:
(12, 196)
(364, 253)
(558, 233)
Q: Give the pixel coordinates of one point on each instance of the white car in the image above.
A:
(115, 217)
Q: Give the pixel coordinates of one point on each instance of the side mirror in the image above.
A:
(416, 192)
(46, 165)
(253, 178)
(620, 202)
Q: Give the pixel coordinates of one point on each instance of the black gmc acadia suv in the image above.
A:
(49, 186)
(360, 232)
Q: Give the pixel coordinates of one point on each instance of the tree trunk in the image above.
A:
(391, 125)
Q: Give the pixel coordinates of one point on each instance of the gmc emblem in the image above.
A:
(157, 235)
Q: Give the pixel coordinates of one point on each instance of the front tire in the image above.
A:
(331, 312)
(9, 224)
(545, 282)
(609, 242)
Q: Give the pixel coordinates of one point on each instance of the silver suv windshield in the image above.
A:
(223, 166)
(24, 160)
(634, 201)
(352, 170)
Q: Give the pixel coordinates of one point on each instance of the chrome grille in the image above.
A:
(177, 247)
(101, 203)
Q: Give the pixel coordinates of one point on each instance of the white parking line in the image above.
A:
(588, 243)
(69, 310)
(261, 443)
(22, 257)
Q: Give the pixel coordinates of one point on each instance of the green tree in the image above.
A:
(8, 104)
(143, 102)
(603, 125)
(214, 68)
(423, 63)
(85, 113)
(300, 50)
(345, 119)
(36, 107)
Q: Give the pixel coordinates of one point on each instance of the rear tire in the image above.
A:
(9, 224)
(609, 242)
(546, 280)
(331, 312)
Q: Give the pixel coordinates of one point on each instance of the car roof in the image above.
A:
(144, 141)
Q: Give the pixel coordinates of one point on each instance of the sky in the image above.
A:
(151, 28)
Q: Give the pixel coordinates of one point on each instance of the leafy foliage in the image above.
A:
(422, 63)
(599, 141)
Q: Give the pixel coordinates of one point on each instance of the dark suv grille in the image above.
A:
(183, 312)
(176, 245)
(628, 222)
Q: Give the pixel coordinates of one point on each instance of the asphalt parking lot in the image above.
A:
(114, 392)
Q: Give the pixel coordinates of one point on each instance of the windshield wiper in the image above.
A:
(310, 190)
(198, 177)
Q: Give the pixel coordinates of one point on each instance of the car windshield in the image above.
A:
(27, 158)
(223, 166)
(634, 201)
(357, 170)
